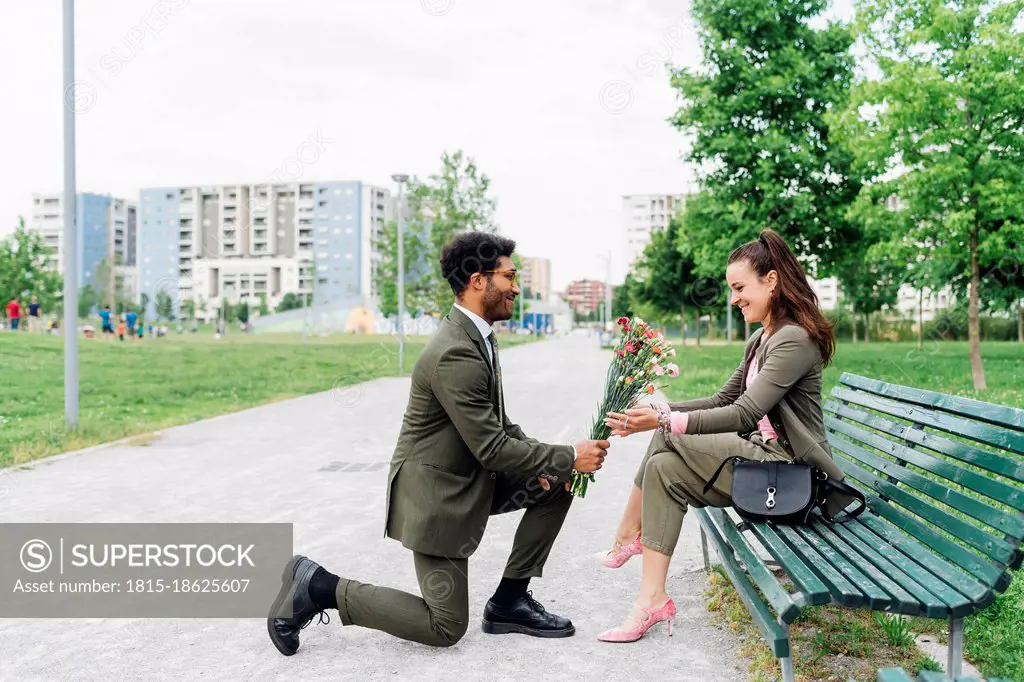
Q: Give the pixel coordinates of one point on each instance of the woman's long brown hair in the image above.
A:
(793, 298)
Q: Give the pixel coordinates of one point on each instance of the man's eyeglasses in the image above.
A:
(510, 275)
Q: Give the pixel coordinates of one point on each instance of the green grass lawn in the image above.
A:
(130, 388)
(830, 641)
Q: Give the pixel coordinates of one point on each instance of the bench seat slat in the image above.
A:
(775, 636)
(769, 585)
(987, 514)
(999, 491)
(953, 603)
(842, 590)
(1001, 415)
(998, 549)
(902, 600)
(983, 433)
(814, 591)
(877, 598)
(951, 574)
(918, 597)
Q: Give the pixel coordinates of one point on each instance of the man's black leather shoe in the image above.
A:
(284, 632)
(527, 616)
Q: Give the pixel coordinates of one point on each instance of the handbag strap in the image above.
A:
(842, 487)
(718, 472)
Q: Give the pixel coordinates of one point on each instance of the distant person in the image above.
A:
(121, 328)
(140, 330)
(130, 317)
(106, 324)
(14, 313)
(35, 316)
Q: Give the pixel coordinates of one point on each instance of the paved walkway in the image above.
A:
(274, 464)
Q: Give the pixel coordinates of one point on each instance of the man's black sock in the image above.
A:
(323, 589)
(510, 589)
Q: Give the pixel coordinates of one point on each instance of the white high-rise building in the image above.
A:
(106, 229)
(642, 214)
(246, 242)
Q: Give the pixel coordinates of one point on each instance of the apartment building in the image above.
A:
(642, 214)
(585, 296)
(246, 242)
(106, 231)
(536, 276)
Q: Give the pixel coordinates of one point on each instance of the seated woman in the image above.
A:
(770, 409)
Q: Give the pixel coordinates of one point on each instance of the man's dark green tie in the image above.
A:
(493, 338)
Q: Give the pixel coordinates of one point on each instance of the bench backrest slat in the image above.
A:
(1011, 524)
(1000, 415)
(1013, 441)
(948, 471)
(1010, 495)
(996, 548)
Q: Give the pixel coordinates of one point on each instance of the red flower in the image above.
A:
(650, 389)
(623, 321)
(621, 354)
(649, 334)
(630, 348)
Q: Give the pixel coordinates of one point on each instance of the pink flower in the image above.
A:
(673, 369)
(620, 353)
(630, 348)
(658, 369)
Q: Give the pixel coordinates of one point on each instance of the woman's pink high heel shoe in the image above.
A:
(620, 554)
(648, 619)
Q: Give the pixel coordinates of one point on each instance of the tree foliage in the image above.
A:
(28, 268)
(456, 199)
(942, 128)
(757, 116)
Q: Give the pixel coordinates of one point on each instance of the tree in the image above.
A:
(290, 301)
(242, 312)
(87, 300)
(164, 305)
(27, 268)
(144, 304)
(946, 117)
(189, 309)
(666, 272)
(757, 117)
(454, 200)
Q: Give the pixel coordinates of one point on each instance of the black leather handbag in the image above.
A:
(782, 492)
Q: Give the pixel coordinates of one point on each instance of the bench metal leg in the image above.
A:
(956, 647)
(704, 549)
(787, 668)
(787, 662)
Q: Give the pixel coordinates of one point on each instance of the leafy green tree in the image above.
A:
(164, 305)
(28, 267)
(143, 304)
(242, 312)
(756, 113)
(454, 200)
(189, 309)
(666, 272)
(290, 301)
(944, 117)
(87, 300)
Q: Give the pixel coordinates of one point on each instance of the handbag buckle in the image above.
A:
(770, 502)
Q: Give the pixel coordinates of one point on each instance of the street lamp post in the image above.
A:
(401, 179)
(70, 227)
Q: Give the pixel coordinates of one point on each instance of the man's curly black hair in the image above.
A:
(470, 252)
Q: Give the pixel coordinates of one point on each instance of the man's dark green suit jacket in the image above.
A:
(453, 445)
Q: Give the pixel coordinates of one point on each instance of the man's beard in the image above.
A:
(494, 304)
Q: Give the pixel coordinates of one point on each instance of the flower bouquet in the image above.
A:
(635, 366)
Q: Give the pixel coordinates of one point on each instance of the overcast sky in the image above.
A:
(563, 104)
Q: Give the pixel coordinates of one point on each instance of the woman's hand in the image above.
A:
(634, 420)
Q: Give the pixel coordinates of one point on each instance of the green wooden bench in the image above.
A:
(900, 675)
(943, 477)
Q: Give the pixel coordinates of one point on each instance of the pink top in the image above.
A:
(681, 419)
